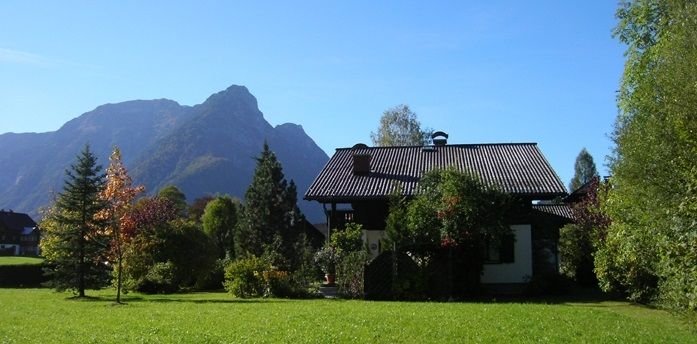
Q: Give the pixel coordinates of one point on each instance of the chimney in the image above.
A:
(439, 138)
(361, 159)
(361, 164)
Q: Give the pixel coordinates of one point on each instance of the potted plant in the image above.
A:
(326, 260)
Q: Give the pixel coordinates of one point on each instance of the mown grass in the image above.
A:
(42, 316)
(18, 260)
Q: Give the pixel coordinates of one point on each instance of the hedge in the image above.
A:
(21, 276)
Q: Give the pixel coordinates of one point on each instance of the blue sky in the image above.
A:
(484, 71)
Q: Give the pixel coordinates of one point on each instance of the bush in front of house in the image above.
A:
(21, 276)
(350, 272)
(326, 259)
(345, 255)
(243, 277)
(257, 277)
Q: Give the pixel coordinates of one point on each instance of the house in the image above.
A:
(356, 183)
(19, 234)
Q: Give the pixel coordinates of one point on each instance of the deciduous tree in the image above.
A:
(651, 245)
(579, 241)
(118, 195)
(399, 126)
(220, 221)
(198, 206)
(176, 196)
(455, 211)
(165, 252)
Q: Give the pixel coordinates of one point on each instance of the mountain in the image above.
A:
(205, 149)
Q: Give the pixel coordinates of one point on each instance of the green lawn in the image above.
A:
(18, 260)
(42, 316)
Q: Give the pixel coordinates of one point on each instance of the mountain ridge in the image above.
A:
(204, 149)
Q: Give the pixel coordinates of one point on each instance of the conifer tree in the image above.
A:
(74, 243)
(270, 210)
(584, 170)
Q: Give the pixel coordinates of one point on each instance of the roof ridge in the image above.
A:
(450, 145)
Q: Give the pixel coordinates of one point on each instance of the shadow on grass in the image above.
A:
(575, 296)
(553, 300)
(591, 297)
(164, 299)
(211, 301)
(88, 298)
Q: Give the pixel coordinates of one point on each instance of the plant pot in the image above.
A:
(330, 279)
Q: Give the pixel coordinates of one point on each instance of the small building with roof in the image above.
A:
(19, 234)
(356, 183)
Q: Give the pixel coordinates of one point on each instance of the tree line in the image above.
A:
(636, 233)
(102, 230)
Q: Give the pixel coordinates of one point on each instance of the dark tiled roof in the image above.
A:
(15, 222)
(578, 194)
(517, 168)
(561, 210)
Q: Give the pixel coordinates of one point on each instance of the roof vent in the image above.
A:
(439, 138)
(361, 164)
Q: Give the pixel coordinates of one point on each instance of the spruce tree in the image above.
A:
(584, 170)
(75, 241)
(270, 211)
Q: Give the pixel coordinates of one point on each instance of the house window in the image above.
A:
(500, 251)
(492, 251)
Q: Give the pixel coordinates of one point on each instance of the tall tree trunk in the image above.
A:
(119, 272)
(81, 268)
(118, 283)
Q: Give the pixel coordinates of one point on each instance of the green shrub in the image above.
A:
(326, 259)
(278, 283)
(255, 277)
(349, 239)
(304, 277)
(215, 278)
(576, 251)
(160, 279)
(350, 272)
(244, 277)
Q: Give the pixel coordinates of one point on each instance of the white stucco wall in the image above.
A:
(521, 267)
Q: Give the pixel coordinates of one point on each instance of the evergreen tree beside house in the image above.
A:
(584, 170)
(270, 214)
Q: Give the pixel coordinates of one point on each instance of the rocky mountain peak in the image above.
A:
(206, 149)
